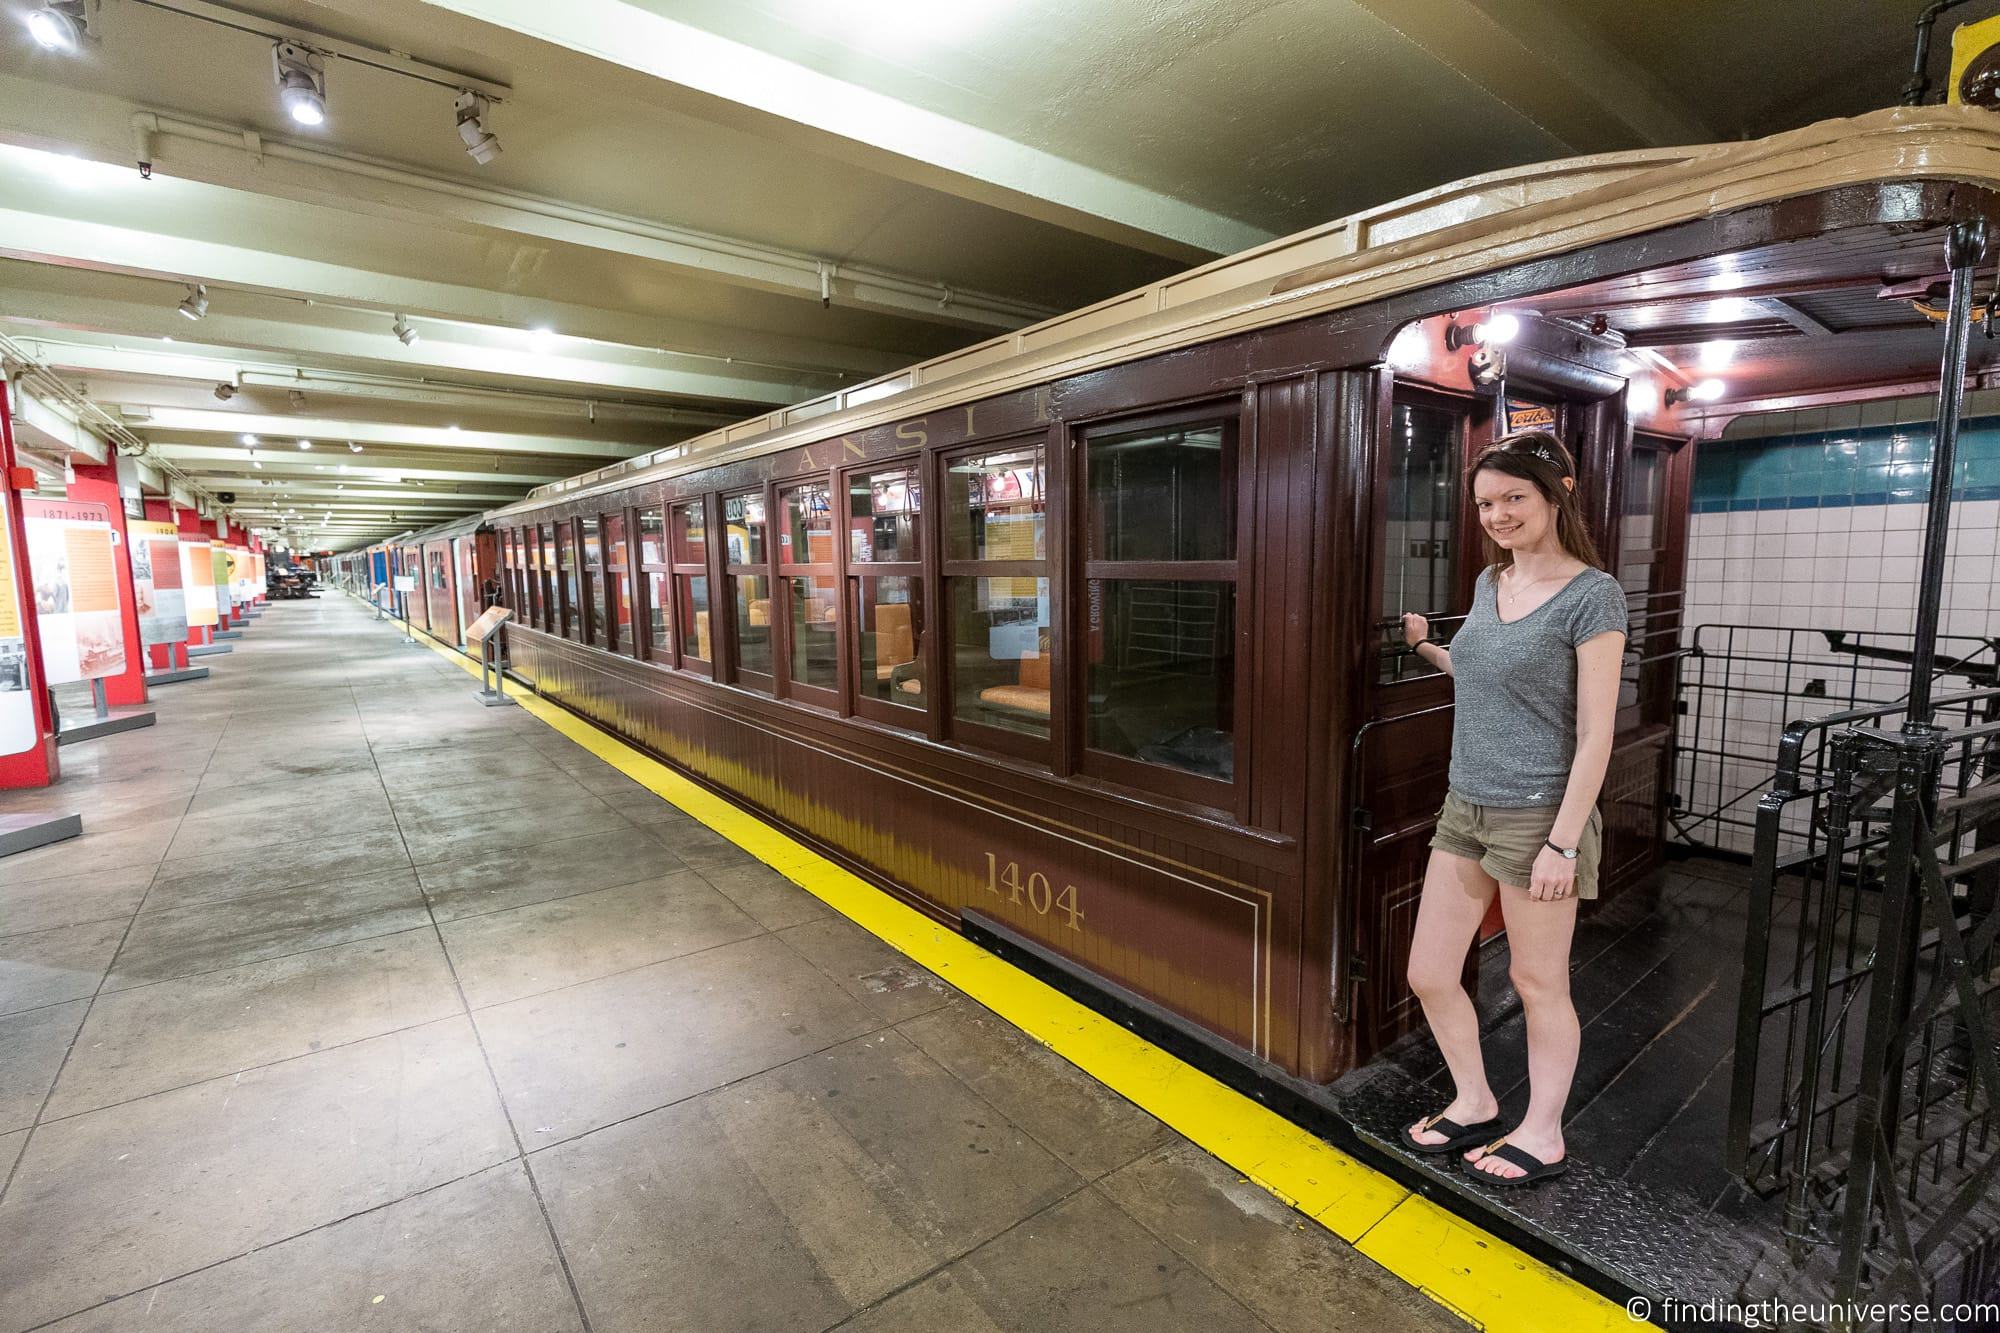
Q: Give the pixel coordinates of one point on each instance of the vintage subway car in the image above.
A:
(1084, 634)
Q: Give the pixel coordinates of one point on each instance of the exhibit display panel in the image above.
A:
(73, 558)
(198, 581)
(156, 581)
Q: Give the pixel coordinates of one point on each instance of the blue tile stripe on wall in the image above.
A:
(1831, 469)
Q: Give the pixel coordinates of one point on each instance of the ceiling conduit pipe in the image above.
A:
(789, 271)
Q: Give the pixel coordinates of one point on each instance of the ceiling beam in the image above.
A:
(281, 433)
(792, 104)
(120, 224)
(1524, 54)
(374, 463)
(1793, 316)
(266, 326)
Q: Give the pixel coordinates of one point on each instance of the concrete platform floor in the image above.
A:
(359, 1005)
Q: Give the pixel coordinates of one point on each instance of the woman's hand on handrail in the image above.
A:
(1415, 629)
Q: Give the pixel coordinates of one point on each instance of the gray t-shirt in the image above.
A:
(1513, 737)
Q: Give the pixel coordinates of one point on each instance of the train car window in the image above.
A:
(589, 605)
(569, 598)
(747, 569)
(1420, 517)
(886, 593)
(1159, 609)
(552, 617)
(689, 552)
(997, 596)
(655, 583)
(1643, 571)
(811, 593)
(533, 537)
(618, 586)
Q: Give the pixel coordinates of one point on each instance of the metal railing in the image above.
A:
(1740, 687)
(1864, 1081)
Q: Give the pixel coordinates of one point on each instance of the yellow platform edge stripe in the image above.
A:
(1477, 1276)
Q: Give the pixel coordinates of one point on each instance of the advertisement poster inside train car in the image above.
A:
(73, 564)
(18, 732)
(156, 581)
(198, 583)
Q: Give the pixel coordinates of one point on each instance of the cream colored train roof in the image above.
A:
(1468, 227)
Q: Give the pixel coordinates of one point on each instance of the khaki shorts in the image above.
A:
(1505, 841)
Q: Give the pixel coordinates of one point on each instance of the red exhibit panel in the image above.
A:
(99, 485)
(27, 727)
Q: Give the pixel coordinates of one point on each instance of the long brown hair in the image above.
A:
(1539, 458)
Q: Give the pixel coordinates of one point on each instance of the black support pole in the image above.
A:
(1965, 248)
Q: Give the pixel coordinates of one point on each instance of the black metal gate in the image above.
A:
(1866, 1087)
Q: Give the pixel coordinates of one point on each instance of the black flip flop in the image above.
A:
(1534, 1167)
(1461, 1136)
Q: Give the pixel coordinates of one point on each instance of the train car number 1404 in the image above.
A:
(1035, 891)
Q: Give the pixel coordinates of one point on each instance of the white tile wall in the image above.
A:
(1852, 569)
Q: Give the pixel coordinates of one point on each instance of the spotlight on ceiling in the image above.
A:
(301, 77)
(1705, 392)
(404, 333)
(58, 25)
(225, 391)
(195, 304)
(480, 142)
(250, 440)
(353, 448)
(305, 444)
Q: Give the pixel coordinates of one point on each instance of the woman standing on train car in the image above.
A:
(1535, 677)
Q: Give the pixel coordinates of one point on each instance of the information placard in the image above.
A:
(73, 560)
(156, 581)
(198, 579)
(489, 620)
(218, 577)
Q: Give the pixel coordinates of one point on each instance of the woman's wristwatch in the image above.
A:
(1566, 853)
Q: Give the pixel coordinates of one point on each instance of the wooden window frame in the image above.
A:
(1229, 795)
(567, 616)
(616, 576)
(903, 717)
(590, 580)
(820, 696)
(1461, 570)
(705, 569)
(661, 654)
(1045, 750)
(758, 681)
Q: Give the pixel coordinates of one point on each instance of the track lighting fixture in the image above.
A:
(58, 25)
(353, 448)
(225, 391)
(195, 304)
(301, 79)
(404, 333)
(305, 444)
(480, 142)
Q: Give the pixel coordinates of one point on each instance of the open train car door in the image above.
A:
(466, 549)
(1426, 554)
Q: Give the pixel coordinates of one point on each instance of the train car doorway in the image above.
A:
(1754, 433)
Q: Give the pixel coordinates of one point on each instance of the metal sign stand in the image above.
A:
(489, 661)
(102, 723)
